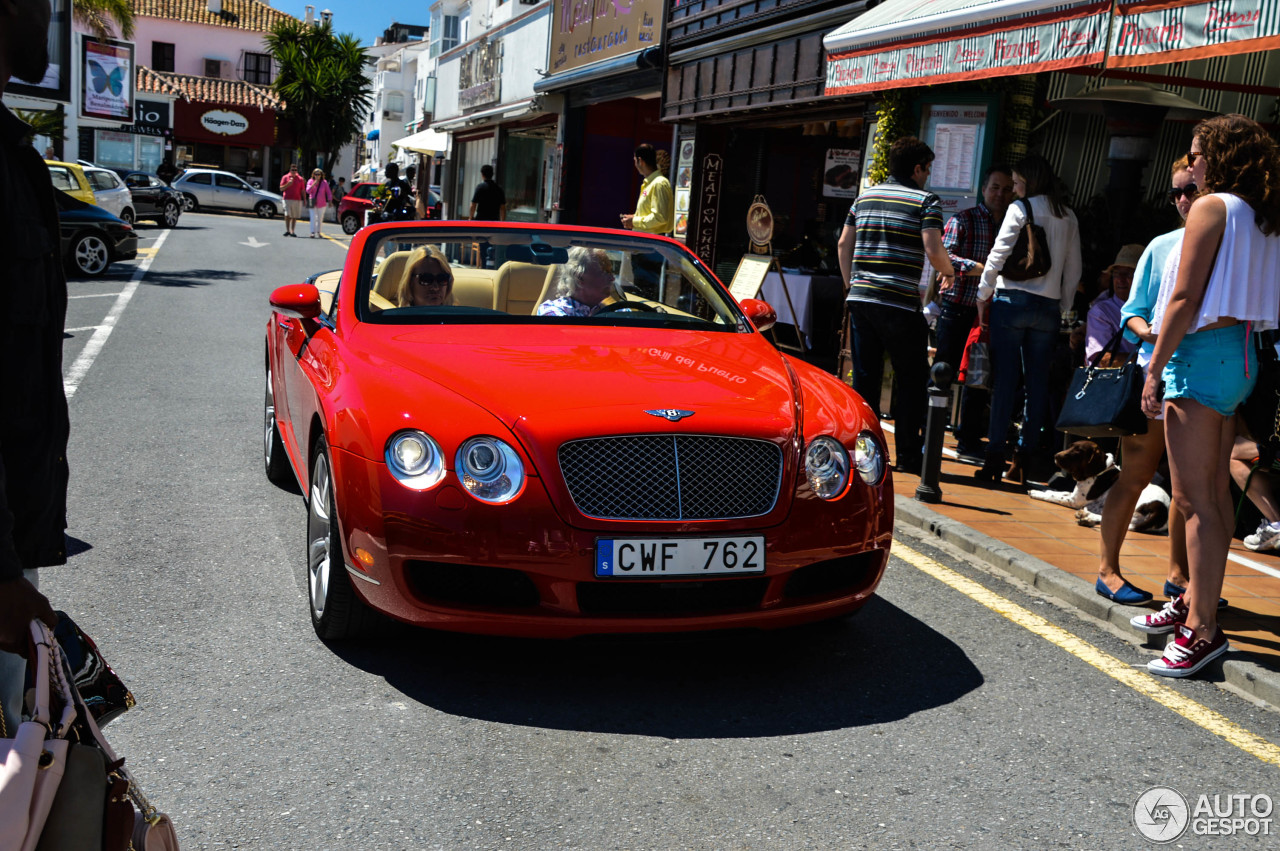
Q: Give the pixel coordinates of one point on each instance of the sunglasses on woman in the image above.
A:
(1188, 191)
(429, 279)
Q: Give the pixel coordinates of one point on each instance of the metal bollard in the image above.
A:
(935, 425)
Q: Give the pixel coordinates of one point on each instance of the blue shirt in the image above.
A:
(1146, 284)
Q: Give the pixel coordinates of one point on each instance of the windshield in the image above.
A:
(427, 275)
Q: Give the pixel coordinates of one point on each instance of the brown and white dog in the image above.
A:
(1094, 472)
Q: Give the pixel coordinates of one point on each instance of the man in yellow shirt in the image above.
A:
(655, 211)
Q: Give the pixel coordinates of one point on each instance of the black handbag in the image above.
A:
(1105, 401)
(1030, 255)
(1261, 411)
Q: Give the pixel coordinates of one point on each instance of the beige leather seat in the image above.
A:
(389, 275)
(550, 286)
(518, 287)
(473, 287)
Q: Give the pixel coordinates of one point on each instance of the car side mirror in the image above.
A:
(299, 301)
(761, 313)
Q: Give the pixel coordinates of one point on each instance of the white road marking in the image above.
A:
(253, 243)
(94, 295)
(85, 328)
(71, 382)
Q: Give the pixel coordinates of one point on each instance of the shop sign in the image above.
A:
(224, 122)
(1139, 35)
(709, 207)
(587, 31)
(150, 118)
(840, 176)
(683, 188)
(1024, 50)
(107, 75)
(478, 82)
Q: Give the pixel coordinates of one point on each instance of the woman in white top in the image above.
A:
(1223, 285)
(1024, 316)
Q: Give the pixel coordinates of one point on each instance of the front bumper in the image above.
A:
(444, 560)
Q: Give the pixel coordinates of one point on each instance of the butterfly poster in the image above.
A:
(108, 80)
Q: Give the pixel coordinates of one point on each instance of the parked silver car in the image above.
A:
(204, 187)
(110, 192)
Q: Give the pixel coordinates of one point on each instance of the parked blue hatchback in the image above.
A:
(92, 238)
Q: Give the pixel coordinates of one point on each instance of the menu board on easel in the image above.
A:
(749, 277)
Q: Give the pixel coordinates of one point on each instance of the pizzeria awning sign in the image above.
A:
(1155, 34)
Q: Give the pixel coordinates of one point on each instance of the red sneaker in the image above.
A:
(1166, 620)
(1187, 654)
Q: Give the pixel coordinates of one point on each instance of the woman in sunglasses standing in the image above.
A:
(427, 281)
(1142, 452)
(1223, 285)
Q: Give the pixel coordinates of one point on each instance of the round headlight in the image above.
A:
(827, 466)
(415, 459)
(868, 458)
(490, 470)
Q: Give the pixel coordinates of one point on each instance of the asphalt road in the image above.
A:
(927, 721)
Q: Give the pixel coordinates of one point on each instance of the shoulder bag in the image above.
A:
(1105, 401)
(1261, 411)
(1030, 255)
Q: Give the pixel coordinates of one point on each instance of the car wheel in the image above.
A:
(336, 611)
(190, 204)
(279, 472)
(265, 210)
(169, 218)
(350, 223)
(90, 254)
(127, 216)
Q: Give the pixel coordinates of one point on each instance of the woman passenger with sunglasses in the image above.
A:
(427, 281)
(1223, 284)
(1142, 452)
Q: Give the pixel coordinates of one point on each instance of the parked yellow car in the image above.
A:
(70, 178)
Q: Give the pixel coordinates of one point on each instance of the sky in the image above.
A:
(365, 19)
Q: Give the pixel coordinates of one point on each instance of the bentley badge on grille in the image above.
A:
(671, 414)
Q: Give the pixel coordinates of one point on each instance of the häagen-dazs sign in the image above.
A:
(224, 122)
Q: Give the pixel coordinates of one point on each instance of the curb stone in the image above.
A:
(1238, 669)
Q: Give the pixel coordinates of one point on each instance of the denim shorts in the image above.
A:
(1209, 367)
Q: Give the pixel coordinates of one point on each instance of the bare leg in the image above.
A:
(1179, 571)
(1200, 441)
(1261, 489)
(1141, 455)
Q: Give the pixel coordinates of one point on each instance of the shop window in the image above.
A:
(114, 149)
(257, 68)
(521, 177)
(161, 56)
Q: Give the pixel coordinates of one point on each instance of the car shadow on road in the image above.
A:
(879, 666)
(192, 277)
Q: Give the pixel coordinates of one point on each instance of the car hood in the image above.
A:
(550, 384)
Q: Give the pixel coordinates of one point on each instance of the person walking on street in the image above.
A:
(890, 231)
(655, 209)
(1224, 284)
(968, 238)
(1024, 317)
(319, 195)
(34, 423)
(488, 202)
(291, 188)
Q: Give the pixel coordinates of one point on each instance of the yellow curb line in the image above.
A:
(1140, 681)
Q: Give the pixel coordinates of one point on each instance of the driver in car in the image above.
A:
(585, 280)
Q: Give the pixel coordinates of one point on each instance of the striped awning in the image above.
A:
(917, 42)
(1157, 32)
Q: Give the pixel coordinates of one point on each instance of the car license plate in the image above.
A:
(650, 558)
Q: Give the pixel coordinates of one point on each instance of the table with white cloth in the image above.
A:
(800, 286)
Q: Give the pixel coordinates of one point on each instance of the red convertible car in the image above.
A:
(555, 431)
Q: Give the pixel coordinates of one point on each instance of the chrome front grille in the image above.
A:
(672, 477)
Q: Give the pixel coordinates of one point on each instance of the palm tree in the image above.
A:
(323, 84)
(101, 17)
(44, 122)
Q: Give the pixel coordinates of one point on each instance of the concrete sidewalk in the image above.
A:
(1043, 545)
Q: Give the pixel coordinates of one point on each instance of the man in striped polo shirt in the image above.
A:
(890, 231)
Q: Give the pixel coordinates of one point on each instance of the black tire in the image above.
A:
(90, 255)
(190, 203)
(337, 612)
(350, 223)
(276, 462)
(265, 210)
(127, 215)
(170, 214)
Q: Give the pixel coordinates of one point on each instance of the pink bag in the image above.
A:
(33, 761)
